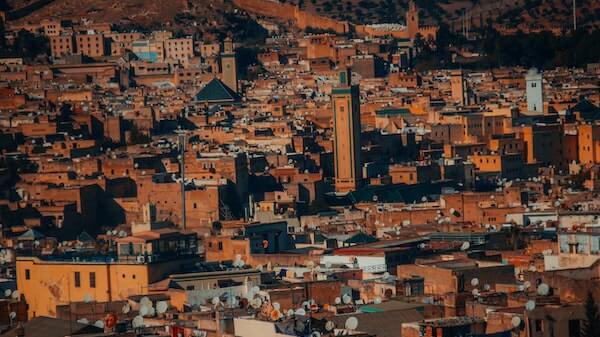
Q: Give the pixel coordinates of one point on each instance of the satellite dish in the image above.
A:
(487, 287)
(516, 321)
(475, 282)
(351, 323)
(144, 311)
(530, 305)
(276, 305)
(543, 289)
(87, 298)
(7, 293)
(346, 299)
(377, 300)
(126, 308)
(215, 300)
(145, 301)
(329, 326)
(290, 312)
(12, 315)
(256, 303)
(465, 246)
(300, 312)
(99, 324)
(161, 307)
(475, 292)
(138, 321)
(83, 321)
(315, 334)
(151, 311)
(338, 300)
(15, 295)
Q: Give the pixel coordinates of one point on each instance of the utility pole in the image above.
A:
(574, 15)
(181, 137)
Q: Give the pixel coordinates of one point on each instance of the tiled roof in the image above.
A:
(217, 92)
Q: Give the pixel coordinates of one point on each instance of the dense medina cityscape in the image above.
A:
(159, 184)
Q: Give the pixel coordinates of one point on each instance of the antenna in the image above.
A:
(574, 15)
(181, 134)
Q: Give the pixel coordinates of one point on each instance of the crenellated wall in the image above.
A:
(302, 19)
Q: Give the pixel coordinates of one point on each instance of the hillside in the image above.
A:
(504, 14)
(207, 19)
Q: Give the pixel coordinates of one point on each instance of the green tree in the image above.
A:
(591, 325)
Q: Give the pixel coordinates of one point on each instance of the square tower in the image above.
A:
(346, 127)
(229, 65)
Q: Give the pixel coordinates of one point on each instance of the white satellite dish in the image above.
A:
(161, 307)
(338, 300)
(543, 289)
(475, 292)
(300, 312)
(346, 299)
(15, 295)
(290, 312)
(351, 323)
(329, 326)
(138, 321)
(99, 324)
(530, 305)
(7, 293)
(12, 315)
(144, 310)
(83, 321)
(487, 287)
(377, 300)
(516, 321)
(256, 303)
(474, 281)
(145, 301)
(465, 246)
(126, 308)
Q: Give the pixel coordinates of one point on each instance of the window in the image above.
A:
(539, 325)
(77, 279)
(27, 274)
(574, 328)
(220, 245)
(92, 279)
